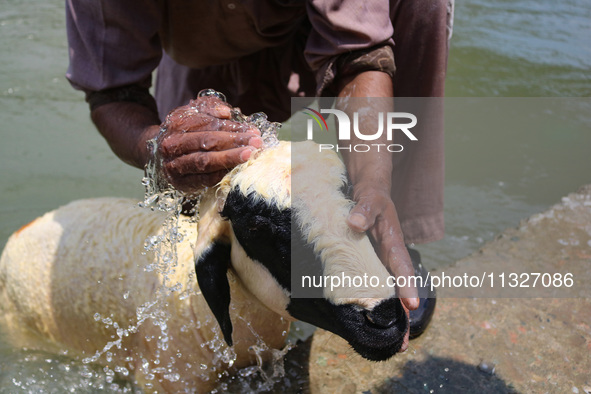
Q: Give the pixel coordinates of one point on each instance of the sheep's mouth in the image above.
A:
(376, 335)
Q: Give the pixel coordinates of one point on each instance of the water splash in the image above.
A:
(261, 377)
(35, 371)
(259, 120)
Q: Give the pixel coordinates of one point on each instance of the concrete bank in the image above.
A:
(487, 345)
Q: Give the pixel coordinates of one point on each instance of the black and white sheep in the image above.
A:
(75, 278)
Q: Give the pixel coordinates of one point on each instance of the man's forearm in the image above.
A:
(127, 127)
(371, 167)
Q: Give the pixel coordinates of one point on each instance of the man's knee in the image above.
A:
(436, 11)
(428, 14)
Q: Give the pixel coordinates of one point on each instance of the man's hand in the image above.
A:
(376, 214)
(371, 176)
(201, 144)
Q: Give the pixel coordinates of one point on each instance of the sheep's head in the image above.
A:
(275, 211)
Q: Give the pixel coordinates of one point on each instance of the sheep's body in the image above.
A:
(75, 279)
(84, 262)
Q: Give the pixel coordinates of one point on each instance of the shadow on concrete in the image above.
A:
(434, 375)
(444, 375)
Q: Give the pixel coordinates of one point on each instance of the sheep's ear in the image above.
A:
(211, 268)
(212, 260)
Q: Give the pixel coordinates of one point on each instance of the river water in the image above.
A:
(50, 153)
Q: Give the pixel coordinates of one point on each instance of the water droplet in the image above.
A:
(85, 373)
(151, 200)
(173, 377)
(211, 93)
(486, 367)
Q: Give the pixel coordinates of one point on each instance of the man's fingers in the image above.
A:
(363, 216)
(394, 255)
(205, 114)
(204, 122)
(375, 213)
(411, 303)
(208, 162)
(401, 266)
(201, 143)
(181, 144)
(213, 106)
(406, 339)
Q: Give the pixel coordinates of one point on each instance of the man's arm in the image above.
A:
(371, 173)
(127, 127)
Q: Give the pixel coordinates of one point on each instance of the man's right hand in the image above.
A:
(200, 144)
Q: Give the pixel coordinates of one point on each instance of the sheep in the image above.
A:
(75, 278)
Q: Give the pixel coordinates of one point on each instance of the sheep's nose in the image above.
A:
(385, 314)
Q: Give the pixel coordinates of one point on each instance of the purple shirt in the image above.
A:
(116, 43)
